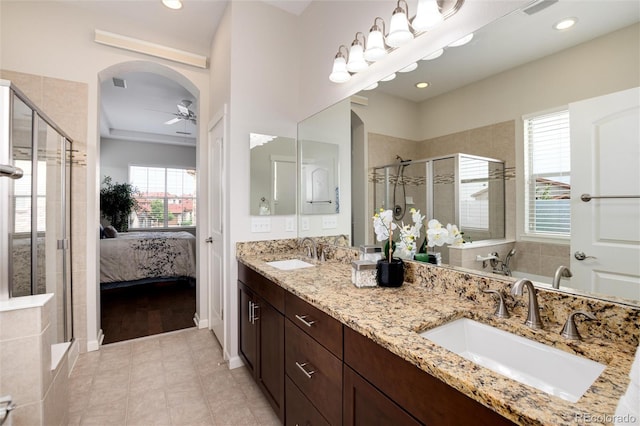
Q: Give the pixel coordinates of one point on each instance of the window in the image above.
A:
(548, 174)
(166, 197)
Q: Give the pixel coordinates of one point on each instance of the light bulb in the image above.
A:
(399, 32)
(356, 59)
(339, 74)
(428, 15)
(375, 46)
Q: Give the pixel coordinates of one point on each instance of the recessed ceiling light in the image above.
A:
(464, 40)
(409, 67)
(172, 4)
(422, 85)
(565, 24)
(389, 77)
(434, 55)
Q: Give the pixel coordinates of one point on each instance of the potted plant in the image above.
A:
(117, 201)
(389, 270)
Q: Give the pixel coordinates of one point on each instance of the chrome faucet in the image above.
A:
(570, 331)
(312, 251)
(533, 317)
(561, 272)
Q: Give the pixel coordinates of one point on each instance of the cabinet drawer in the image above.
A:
(314, 322)
(265, 288)
(315, 371)
(300, 412)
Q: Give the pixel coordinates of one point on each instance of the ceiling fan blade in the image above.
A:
(183, 110)
(173, 121)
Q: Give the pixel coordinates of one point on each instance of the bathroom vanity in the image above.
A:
(326, 352)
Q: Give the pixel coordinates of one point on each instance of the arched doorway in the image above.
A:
(149, 120)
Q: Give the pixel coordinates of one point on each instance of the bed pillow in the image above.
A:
(110, 232)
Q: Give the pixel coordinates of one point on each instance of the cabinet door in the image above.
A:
(365, 405)
(270, 374)
(300, 412)
(247, 329)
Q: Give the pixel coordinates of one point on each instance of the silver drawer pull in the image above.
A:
(303, 319)
(304, 370)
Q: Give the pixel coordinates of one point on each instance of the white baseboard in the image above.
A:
(94, 345)
(200, 323)
(235, 362)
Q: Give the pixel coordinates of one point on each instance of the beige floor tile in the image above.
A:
(176, 379)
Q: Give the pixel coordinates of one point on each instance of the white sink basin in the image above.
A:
(290, 264)
(546, 368)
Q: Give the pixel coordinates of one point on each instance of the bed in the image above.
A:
(134, 258)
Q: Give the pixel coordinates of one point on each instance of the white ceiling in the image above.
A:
(140, 111)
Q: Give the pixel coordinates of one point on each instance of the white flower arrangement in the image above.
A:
(438, 235)
(410, 235)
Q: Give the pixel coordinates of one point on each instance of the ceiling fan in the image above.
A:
(184, 113)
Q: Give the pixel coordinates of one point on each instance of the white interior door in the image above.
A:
(216, 246)
(605, 162)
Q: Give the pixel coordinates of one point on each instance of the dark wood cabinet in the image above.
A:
(364, 405)
(428, 399)
(261, 334)
(316, 371)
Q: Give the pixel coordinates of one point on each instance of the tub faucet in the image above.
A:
(312, 250)
(533, 317)
(561, 272)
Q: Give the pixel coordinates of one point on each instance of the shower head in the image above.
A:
(402, 161)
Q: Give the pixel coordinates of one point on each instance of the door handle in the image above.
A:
(579, 255)
(209, 240)
(307, 372)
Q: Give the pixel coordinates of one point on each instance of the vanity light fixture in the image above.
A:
(409, 67)
(433, 55)
(376, 49)
(375, 46)
(356, 62)
(389, 77)
(173, 4)
(565, 24)
(339, 74)
(422, 85)
(399, 32)
(427, 16)
(461, 42)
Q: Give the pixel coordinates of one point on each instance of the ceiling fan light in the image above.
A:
(428, 15)
(173, 4)
(433, 55)
(339, 73)
(375, 46)
(399, 32)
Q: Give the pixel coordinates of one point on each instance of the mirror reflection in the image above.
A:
(273, 175)
(475, 102)
(319, 185)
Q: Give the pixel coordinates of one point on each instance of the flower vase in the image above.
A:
(390, 273)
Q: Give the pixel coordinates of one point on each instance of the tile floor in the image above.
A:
(168, 379)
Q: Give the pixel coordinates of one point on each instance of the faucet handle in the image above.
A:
(501, 309)
(570, 330)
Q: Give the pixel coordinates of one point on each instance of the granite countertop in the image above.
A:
(393, 316)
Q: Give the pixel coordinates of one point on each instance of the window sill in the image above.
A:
(545, 239)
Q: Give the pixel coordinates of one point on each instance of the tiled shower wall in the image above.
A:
(66, 103)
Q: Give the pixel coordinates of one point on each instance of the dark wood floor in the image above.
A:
(146, 309)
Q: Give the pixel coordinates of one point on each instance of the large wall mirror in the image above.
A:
(474, 102)
(273, 175)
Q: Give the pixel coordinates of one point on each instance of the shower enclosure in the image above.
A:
(460, 189)
(35, 176)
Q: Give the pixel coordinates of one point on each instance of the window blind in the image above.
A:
(548, 174)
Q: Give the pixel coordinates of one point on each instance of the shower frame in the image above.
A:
(429, 183)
